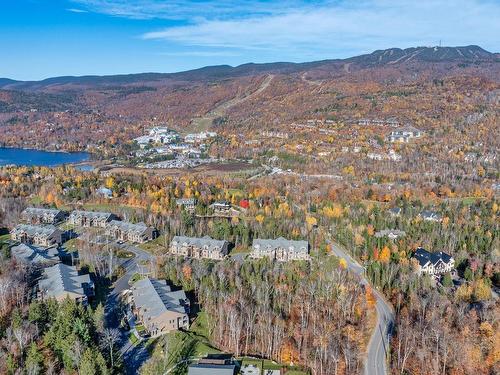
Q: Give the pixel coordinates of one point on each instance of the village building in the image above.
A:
(61, 281)
(213, 365)
(390, 233)
(404, 134)
(35, 256)
(104, 192)
(125, 231)
(221, 207)
(35, 216)
(188, 203)
(430, 216)
(395, 211)
(199, 137)
(157, 135)
(280, 249)
(433, 263)
(91, 218)
(195, 247)
(47, 235)
(158, 307)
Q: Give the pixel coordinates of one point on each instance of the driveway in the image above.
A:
(133, 356)
(376, 359)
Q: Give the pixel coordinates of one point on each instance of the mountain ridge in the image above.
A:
(389, 57)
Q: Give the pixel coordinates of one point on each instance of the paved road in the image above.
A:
(133, 356)
(376, 361)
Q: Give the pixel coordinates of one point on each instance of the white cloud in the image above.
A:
(75, 10)
(199, 54)
(189, 9)
(361, 26)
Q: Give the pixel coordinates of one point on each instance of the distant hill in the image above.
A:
(379, 58)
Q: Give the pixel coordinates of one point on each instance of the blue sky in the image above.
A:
(46, 38)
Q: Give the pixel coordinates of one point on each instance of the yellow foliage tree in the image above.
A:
(385, 255)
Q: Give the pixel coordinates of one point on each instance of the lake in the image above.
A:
(20, 156)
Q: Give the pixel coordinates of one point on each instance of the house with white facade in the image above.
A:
(404, 134)
(433, 263)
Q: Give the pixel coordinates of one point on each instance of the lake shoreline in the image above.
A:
(34, 157)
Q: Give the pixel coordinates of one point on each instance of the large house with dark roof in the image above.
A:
(433, 263)
(196, 247)
(47, 235)
(34, 216)
(61, 281)
(158, 307)
(125, 231)
(91, 218)
(280, 249)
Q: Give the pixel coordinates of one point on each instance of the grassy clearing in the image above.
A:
(157, 246)
(124, 254)
(36, 200)
(135, 278)
(70, 245)
(133, 339)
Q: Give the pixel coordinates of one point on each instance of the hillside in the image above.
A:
(416, 84)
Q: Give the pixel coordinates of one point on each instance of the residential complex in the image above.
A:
(125, 231)
(280, 249)
(195, 247)
(61, 281)
(38, 235)
(91, 218)
(32, 215)
(158, 307)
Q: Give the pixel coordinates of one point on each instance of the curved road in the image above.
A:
(376, 359)
(133, 355)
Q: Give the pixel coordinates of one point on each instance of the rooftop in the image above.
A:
(423, 256)
(33, 230)
(61, 279)
(35, 255)
(281, 243)
(199, 242)
(154, 297)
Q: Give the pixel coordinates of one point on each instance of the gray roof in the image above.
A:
(390, 233)
(35, 255)
(61, 279)
(200, 242)
(186, 200)
(139, 228)
(430, 215)
(281, 242)
(395, 210)
(91, 214)
(33, 230)
(208, 369)
(154, 297)
(40, 211)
